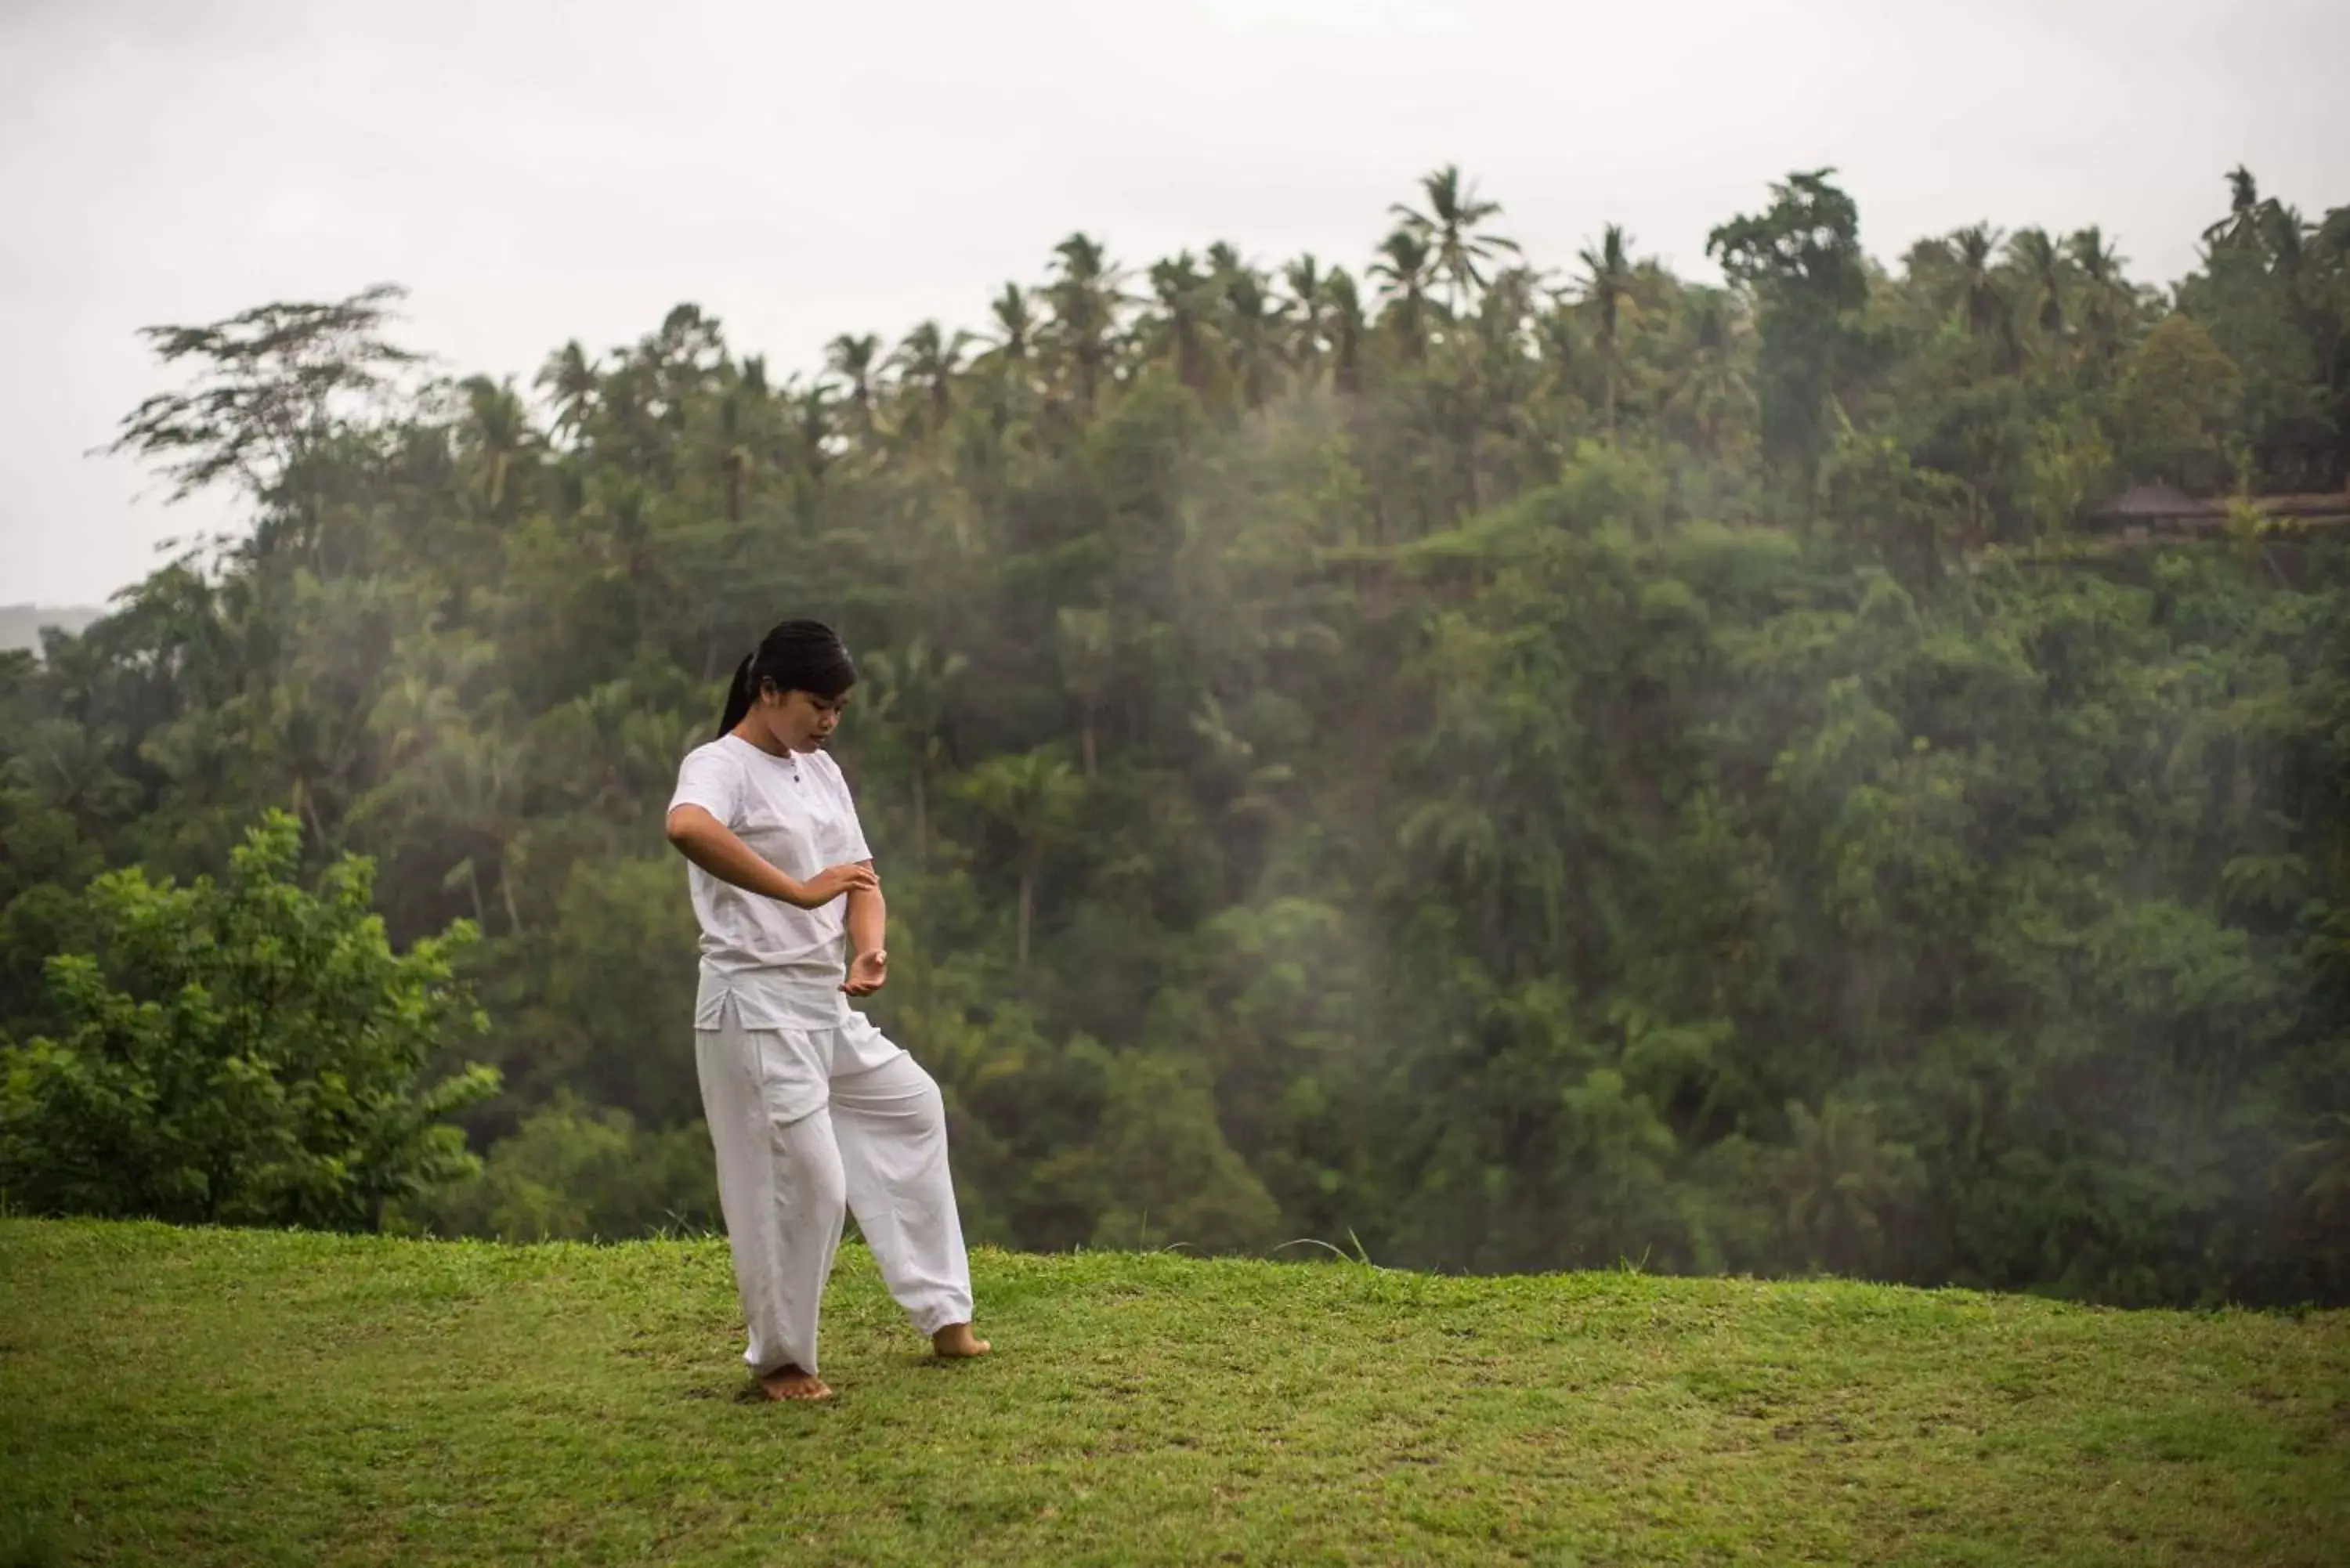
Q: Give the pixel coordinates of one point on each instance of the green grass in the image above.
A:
(241, 1398)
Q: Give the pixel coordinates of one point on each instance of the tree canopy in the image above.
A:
(1519, 768)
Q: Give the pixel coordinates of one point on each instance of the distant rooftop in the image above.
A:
(2146, 504)
(2149, 502)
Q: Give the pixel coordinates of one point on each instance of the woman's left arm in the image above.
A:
(867, 921)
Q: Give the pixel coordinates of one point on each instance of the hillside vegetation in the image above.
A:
(1529, 762)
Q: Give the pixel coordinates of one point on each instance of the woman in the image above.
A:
(809, 1105)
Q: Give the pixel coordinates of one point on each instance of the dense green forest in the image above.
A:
(1497, 764)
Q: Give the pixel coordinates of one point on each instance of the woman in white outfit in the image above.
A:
(810, 1108)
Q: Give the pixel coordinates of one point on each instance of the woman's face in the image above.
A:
(797, 721)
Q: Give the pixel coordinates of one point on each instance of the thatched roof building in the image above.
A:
(2153, 505)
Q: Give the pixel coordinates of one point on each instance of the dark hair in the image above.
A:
(797, 656)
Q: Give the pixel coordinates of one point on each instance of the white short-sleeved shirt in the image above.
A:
(782, 967)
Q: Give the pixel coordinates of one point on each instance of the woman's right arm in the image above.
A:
(707, 842)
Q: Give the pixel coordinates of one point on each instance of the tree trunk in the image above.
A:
(921, 818)
(1027, 912)
(305, 800)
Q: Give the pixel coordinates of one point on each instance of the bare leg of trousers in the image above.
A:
(788, 1163)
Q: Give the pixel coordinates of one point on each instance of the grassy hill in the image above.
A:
(197, 1397)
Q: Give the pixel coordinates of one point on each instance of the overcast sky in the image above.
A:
(537, 170)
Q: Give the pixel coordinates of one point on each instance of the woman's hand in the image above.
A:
(868, 972)
(831, 883)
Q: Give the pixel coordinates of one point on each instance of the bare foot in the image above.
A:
(957, 1341)
(788, 1382)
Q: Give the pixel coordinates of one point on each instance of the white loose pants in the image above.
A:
(794, 1144)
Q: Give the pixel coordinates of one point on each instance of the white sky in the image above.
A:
(535, 171)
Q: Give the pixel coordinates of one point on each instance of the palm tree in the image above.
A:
(1558, 344)
(1511, 300)
(2317, 1172)
(630, 418)
(1035, 794)
(1013, 341)
(812, 428)
(1343, 326)
(568, 378)
(735, 438)
(913, 683)
(2036, 258)
(493, 437)
(68, 767)
(854, 360)
(1971, 252)
(1839, 1181)
(455, 772)
(1308, 287)
(1087, 665)
(1402, 271)
(1178, 332)
(1607, 286)
(1714, 394)
(1086, 300)
(2105, 293)
(1450, 229)
(1975, 285)
(1009, 358)
(2285, 235)
(2244, 220)
(1253, 316)
(927, 362)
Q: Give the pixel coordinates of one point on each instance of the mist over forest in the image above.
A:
(1489, 761)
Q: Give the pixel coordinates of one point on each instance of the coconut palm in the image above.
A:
(2041, 267)
(1714, 396)
(1177, 332)
(2242, 223)
(812, 427)
(1086, 300)
(495, 437)
(1343, 329)
(912, 684)
(1034, 796)
(1607, 288)
(1839, 1181)
(1451, 229)
(1008, 360)
(2105, 297)
(568, 378)
(1252, 328)
(1972, 288)
(741, 420)
(1402, 270)
(1013, 342)
(1972, 250)
(927, 363)
(1088, 663)
(856, 360)
(1307, 303)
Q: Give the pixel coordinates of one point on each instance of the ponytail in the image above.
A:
(797, 656)
(739, 696)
